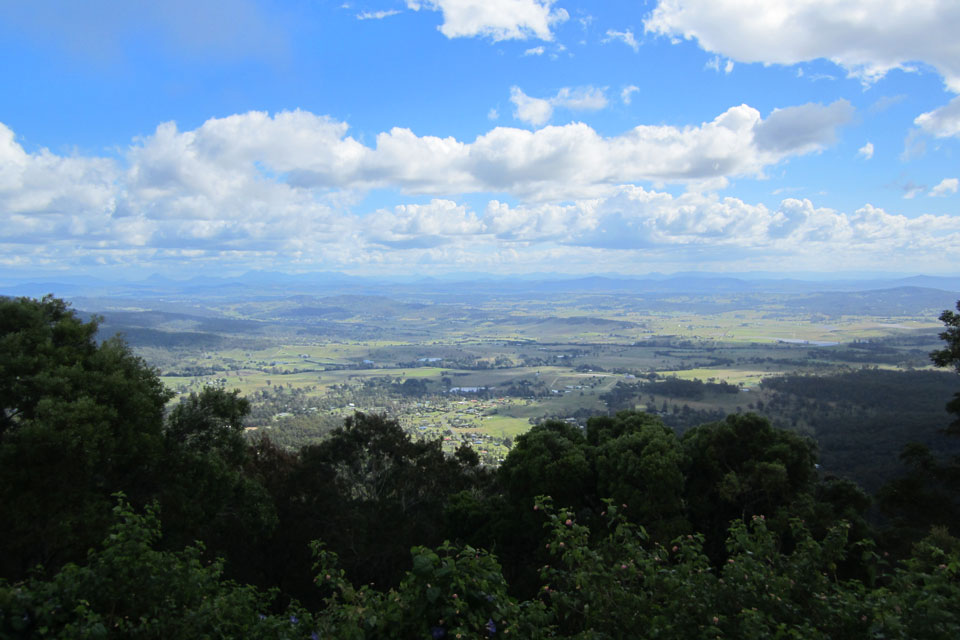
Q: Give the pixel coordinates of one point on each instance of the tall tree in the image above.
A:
(79, 420)
(639, 463)
(743, 467)
(928, 494)
(206, 491)
(949, 356)
(370, 492)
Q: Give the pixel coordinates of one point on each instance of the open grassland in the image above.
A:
(741, 377)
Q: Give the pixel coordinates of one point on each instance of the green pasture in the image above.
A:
(748, 377)
(504, 426)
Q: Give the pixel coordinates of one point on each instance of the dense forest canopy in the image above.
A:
(123, 517)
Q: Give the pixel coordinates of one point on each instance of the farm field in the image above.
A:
(481, 371)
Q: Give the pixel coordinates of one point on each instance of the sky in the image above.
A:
(427, 137)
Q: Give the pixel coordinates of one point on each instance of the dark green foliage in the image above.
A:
(453, 592)
(604, 428)
(206, 492)
(638, 462)
(862, 419)
(720, 472)
(210, 422)
(129, 589)
(927, 495)
(613, 582)
(727, 532)
(687, 389)
(79, 421)
(369, 491)
(949, 356)
(743, 467)
(551, 458)
(83, 420)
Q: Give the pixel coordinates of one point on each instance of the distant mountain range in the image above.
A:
(270, 284)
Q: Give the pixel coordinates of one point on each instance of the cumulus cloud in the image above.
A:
(44, 196)
(420, 226)
(225, 192)
(626, 94)
(868, 38)
(947, 186)
(635, 221)
(866, 151)
(297, 153)
(534, 51)
(285, 185)
(626, 37)
(803, 128)
(495, 19)
(537, 111)
(943, 122)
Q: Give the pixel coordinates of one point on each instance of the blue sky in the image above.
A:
(500, 136)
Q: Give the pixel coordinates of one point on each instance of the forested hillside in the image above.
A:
(124, 517)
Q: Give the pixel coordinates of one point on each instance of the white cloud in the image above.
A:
(285, 184)
(635, 222)
(803, 128)
(376, 15)
(714, 63)
(581, 99)
(254, 189)
(495, 19)
(866, 151)
(626, 94)
(868, 38)
(45, 196)
(534, 51)
(946, 187)
(943, 122)
(493, 114)
(625, 37)
(537, 111)
(911, 191)
(419, 226)
(296, 152)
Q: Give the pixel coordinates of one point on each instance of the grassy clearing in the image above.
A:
(504, 426)
(749, 377)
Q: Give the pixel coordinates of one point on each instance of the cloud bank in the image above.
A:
(282, 191)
